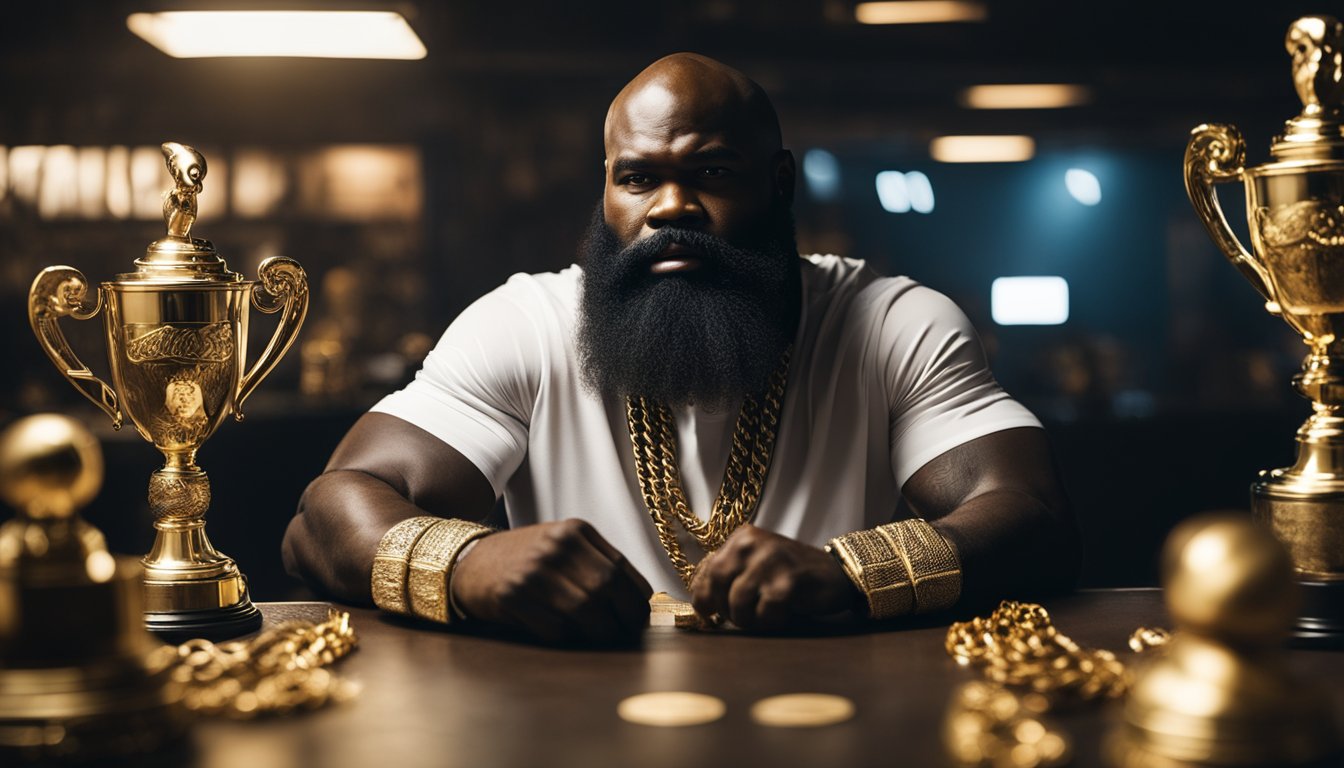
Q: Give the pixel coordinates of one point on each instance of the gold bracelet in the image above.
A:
(934, 568)
(392, 560)
(903, 567)
(431, 570)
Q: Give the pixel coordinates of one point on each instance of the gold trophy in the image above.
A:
(1295, 211)
(177, 340)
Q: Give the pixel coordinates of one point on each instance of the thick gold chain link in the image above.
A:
(280, 670)
(653, 439)
(1018, 645)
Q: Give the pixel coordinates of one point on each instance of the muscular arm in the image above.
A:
(995, 498)
(384, 471)
(999, 501)
(556, 581)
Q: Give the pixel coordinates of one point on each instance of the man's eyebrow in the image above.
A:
(706, 155)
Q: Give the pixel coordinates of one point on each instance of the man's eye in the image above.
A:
(635, 180)
(715, 172)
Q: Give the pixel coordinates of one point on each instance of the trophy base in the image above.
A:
(60, 715)
(1320, 622)
(1309, 525)
(211, 624)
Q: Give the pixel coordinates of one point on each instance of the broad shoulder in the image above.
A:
(837, 286)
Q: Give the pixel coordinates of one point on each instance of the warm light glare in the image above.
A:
(315, 34)
(919, 12)
(119, 182)
(1029, 300)
(1037, 96)
(982, 149)
(1083, 185)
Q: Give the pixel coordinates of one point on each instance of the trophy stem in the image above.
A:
(191, 588)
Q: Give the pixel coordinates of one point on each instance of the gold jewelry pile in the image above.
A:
(903, 567)
(413, 568)
(654, 440)
(988, 725)
(1019, 646)
(274, 673)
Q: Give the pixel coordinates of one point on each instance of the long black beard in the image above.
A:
(707, 337)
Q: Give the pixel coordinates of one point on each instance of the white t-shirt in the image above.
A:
(885, 375)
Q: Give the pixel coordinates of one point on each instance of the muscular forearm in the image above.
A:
(1012, 545)
(331, 543)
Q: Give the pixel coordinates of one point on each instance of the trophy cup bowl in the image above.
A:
(1295, 216)
(176, 336)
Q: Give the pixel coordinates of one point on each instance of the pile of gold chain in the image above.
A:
(1018, 645)
(653, 437)
(989, 726)
(273, 673)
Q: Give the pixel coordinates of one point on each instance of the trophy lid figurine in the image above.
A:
(176, 336)
(1295, 213)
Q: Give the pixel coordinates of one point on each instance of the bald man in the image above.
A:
(693, 409)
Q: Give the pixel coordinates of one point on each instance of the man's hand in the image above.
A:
(560, 582)
(764, 581)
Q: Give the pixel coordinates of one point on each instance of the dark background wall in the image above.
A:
(1165, 391)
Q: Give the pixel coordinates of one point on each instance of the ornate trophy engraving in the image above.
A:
(176, 332)
(1295, 212)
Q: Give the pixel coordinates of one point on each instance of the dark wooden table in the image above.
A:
(439, 698)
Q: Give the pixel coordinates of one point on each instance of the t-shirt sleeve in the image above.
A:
(940, 390)
(478, 386)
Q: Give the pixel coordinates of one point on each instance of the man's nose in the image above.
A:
(675, 205)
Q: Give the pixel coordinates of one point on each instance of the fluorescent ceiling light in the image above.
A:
(1029, 300)
(919, 12)
(982, 149)
(1025, 96)
(314, 34)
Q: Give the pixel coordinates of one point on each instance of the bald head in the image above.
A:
(687, 89)
(695, 144)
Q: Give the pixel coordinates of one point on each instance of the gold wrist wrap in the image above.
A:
(392, 560)
(430, 580)
(903, 567)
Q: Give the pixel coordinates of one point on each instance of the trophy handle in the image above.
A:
(57, 292)
(282, 284)
(1217, 153)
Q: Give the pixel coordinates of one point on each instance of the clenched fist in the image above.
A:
(764, 582)
(559, 582)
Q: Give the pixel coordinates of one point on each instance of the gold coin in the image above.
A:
(671, 708)
(802, 710)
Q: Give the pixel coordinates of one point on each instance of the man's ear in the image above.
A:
(785, 175)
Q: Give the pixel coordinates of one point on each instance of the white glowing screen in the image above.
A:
(1029, 300)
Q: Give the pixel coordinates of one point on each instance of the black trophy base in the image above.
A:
(214, 624)
(1320, 623)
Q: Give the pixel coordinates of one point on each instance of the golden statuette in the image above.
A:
(1295, 213)
(1220, 692)
(77, 683)
(176, 336)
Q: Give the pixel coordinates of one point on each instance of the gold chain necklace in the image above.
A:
(653, 437)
